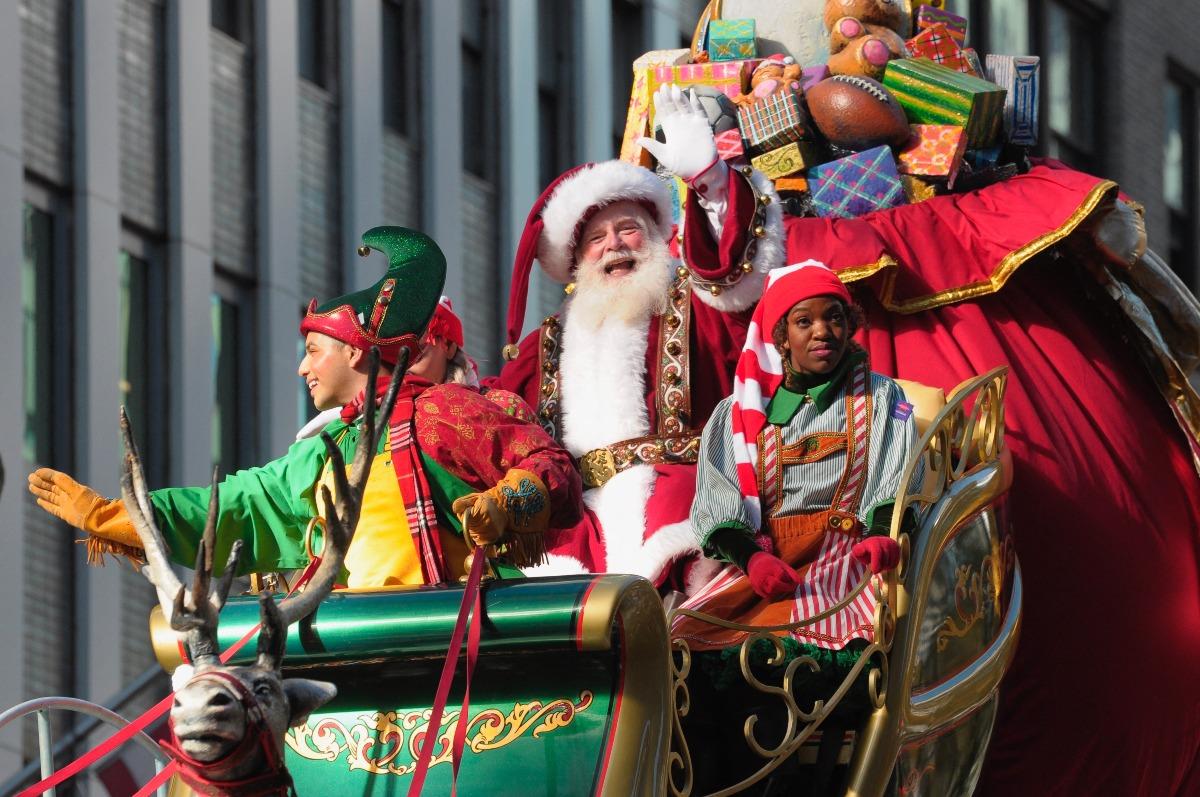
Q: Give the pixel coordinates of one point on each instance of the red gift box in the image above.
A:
(933, 151)
(729, 144)
(937, 45)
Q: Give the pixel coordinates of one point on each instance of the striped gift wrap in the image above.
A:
(934, 95)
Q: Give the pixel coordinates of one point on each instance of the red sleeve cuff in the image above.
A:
(713, 260)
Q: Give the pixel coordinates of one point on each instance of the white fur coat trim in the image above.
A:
(557, 565)
(770, 254)
(594, 187)
(603, 378)
(620, 506)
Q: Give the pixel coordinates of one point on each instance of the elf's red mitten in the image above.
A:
(771, 577)
(878, 553)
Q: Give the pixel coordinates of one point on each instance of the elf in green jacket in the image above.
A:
(448, 453)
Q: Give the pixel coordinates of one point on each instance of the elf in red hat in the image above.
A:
(645, 346)
(447, 453)
(442, 359)
(800, 467)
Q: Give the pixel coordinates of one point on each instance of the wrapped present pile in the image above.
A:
(902, 110)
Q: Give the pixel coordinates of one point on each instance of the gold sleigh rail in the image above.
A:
(966, 469)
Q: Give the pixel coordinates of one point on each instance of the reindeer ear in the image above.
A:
(306, 696)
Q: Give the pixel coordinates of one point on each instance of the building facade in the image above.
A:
(178, 178)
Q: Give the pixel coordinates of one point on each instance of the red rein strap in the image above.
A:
(470, 604)
(129, 731)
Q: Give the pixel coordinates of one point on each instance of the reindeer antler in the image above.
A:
(194, 612)
(343, 513)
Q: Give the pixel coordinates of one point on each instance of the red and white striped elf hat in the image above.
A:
(759, 371)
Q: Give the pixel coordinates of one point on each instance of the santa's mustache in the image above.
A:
(612, 258)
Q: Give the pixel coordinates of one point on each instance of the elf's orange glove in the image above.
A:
(518, 503)
(83, 507)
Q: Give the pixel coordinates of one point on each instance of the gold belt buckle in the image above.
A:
(597, 466)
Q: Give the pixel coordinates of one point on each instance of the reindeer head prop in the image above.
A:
(228, 723)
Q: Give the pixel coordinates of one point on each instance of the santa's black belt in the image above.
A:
(601, 464)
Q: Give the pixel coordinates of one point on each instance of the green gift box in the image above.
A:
(935, 95)
(731, 39)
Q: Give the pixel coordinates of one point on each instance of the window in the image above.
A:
(1181, 161)
(628, 29)
(233, 375)
(50, 556)
(555, 117)
(143, 118)
(233, 18)
(479, 72)
(47, 330)
(689, 15)
(1006, 27)
(144, 376)
(316, 45)
(401, 68)
(1070, 67)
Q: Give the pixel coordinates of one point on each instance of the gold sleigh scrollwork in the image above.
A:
(912, 781)
(968, 432)
(376, 742)
(974, 589)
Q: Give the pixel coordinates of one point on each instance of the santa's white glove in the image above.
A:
(689, 149)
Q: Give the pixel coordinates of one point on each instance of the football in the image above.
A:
(857, 113)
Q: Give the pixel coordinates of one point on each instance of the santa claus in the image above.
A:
(626, 375)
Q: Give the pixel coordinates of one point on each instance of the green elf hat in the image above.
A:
(394, 312)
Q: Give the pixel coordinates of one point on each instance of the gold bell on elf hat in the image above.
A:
(394, 313)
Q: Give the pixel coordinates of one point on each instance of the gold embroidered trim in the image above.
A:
(674, 370)
(755, 231)
(550, 381)
(1005, 269)
(601, 464)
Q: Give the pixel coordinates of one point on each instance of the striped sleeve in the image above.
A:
(718, 502)
(893, 440)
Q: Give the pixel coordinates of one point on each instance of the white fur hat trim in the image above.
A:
(587, 191)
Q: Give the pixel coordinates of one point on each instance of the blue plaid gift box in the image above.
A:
(859, 184)
(731, 40)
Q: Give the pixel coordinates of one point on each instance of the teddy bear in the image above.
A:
(776, 74)
(864, 35)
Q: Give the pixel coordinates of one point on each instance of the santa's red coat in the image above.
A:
(715, 338)
(1103, 696)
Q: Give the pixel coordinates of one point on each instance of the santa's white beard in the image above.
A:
(637, 296)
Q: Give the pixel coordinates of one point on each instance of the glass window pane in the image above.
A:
(396, 83)
(143, 381)
(38, 334)
(1058, 70)
(1173, 154)
(1008, 27)
(960, 7)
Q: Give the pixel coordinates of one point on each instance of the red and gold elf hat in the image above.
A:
(394, 313)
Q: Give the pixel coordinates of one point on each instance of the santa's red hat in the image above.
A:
(558, 216)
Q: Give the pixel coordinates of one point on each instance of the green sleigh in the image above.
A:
(579, 689)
